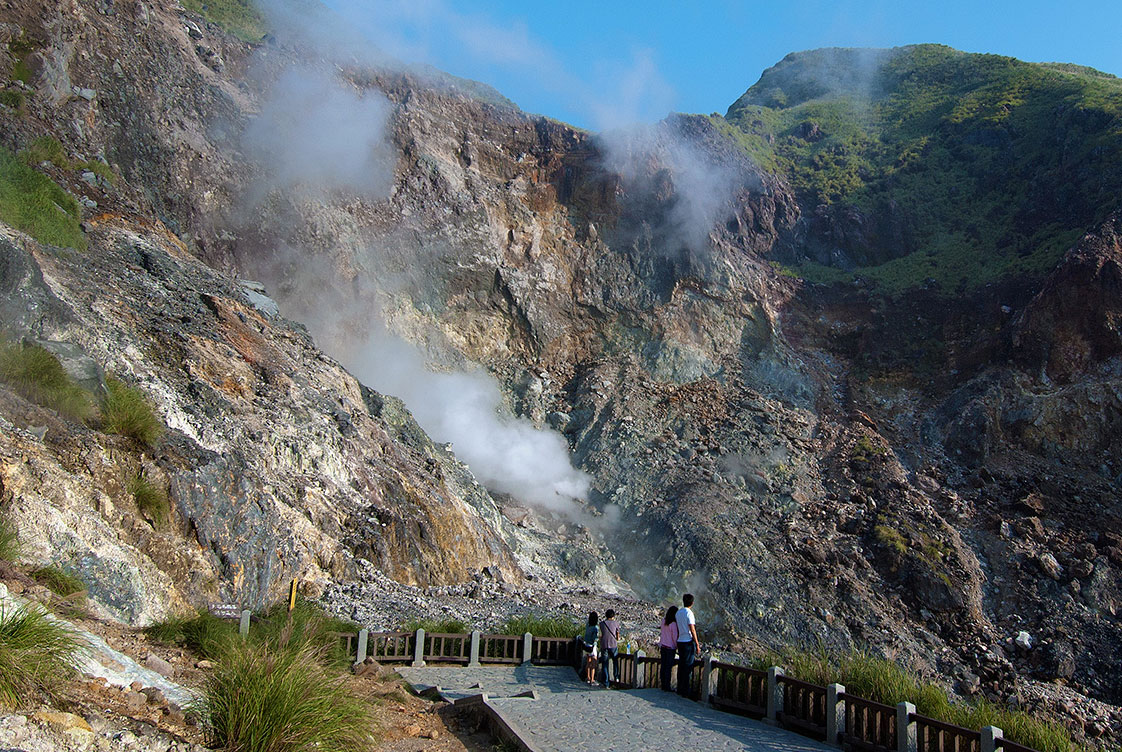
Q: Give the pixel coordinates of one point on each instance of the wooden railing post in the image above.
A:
(640, 670)
(527, 649)
(363, 641)
(243, 625)
(991, 735)
(774, 693)
(473, 661)
(906, 737)
(419, 650)
(835, 714)
(708, 680)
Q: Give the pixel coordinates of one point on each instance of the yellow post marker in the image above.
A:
(292, 596)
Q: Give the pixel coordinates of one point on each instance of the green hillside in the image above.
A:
(967, 167)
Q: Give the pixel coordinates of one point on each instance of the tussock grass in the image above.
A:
(884, 681)
(151, 499)
(37, 374)
(59, 581)
(126, 412)
(9, 540)
(542, 626)
(280, 697)
(204, 633)
(37, 654)
(32, 202)
(307, 622)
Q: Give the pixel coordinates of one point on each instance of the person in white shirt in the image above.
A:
(688, 645)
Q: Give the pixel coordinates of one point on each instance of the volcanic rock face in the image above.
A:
(922, 474)
(278, 463)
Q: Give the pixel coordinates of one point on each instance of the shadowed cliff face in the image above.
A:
(816, 463)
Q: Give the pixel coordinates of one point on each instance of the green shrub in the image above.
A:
(37, 653)
(542, 626)
(126, 411)
(59, 581)
(151, 499)
(239, 17)
(279, 697)
(204, 633)
(9, 540)
(37, 375)
(35, 204)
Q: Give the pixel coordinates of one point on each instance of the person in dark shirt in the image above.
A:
(588, 644)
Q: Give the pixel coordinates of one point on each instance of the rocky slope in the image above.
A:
(926, 474)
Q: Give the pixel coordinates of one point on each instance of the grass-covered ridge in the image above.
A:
(985, 165)
(242, 18)
(32, 202)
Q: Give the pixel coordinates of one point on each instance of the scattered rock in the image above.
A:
(1023, 640)
(1050, 566)
(160, 666)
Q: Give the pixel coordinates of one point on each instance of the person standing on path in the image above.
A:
(688, 644)
(668, 646)
(609, 647)
(588, 640)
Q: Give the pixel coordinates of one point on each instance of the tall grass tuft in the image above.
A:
(36, 654)
(151, 499)
(59, 581)
(203, 633)
(279, 697)
(37, 375)
(306, 622)
(542, 626)
(126, 411)
(9, 540)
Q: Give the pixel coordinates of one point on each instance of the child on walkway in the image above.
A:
(588, 644)
(668, 647)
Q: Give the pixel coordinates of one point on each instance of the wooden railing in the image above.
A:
(937, 736)
(500, 649)
(393, 647)
(825, 713)
(447, 648)
(869, 725)
(804, 707)
(740, 689)
(554, 651)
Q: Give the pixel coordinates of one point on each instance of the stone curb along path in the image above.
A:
(547, 709)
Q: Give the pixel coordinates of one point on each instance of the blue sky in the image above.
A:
(606, 64)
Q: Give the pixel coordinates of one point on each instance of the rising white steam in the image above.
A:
(318, 133)
(506, 454)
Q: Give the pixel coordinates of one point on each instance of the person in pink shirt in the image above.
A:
(668, 646)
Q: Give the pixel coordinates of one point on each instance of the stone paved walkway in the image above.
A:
(570, 716)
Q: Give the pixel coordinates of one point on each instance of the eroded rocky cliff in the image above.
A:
(927, 474)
